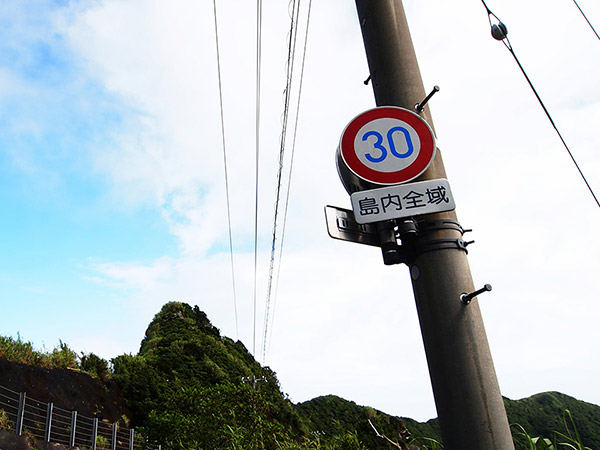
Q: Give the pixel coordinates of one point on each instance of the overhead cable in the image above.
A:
(289, 182)
(499, 32)
(226, 174)
(282, 139)
(257, 148)
(586, 19)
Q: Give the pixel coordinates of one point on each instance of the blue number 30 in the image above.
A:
(378, 144)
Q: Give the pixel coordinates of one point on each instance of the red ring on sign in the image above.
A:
(421, 163)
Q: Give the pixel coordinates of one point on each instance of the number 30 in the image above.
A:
(378, 144)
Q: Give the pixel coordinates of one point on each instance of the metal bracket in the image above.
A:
(426, 226)
(442, 244)
(409, 229)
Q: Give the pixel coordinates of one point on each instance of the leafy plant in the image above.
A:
(63, 357)
(5, 422)
(572, 438)
(94, 365)
(426, 443)
(102, 442)
(17, 350)
(534, 443)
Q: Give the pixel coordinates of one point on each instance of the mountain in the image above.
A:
(540, 415)
(190, 386)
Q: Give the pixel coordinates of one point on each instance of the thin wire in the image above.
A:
(586, 19)
(290, 69)
(507, 44)
(226, 174)
(289, 182)
(257, 143)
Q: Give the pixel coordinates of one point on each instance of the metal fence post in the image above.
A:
(73, 428)
(94, 433)
(48, 429)
(20, 414)
(131, 434)
(113, 444)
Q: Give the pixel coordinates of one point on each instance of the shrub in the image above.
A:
(5, 422)
(94, 365)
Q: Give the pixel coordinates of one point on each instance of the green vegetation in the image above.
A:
(61, 357)
(553, 415)
(94, 365)
(23, 352)
(191, 388)
(570, 439)
(331, 415)
(102, 443)
(5, 423)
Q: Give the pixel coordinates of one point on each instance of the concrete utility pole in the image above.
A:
(468, 400)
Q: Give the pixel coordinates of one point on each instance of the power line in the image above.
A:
(257, 147)
(586, 19)
(499, 32)
(226, 174)
(289, 182)
(290, 70)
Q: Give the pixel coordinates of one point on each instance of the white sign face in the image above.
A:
(404, 200)
(387, 145)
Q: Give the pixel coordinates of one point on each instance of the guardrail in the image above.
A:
(45, 421)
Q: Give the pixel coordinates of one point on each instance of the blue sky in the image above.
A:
(113, 197)
(58, 220)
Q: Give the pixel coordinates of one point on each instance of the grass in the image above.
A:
(570, 439)
(17, 350)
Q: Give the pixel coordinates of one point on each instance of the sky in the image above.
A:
(113, 196)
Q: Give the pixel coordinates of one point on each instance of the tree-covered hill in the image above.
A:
(328, 415)
(191, 387)
(543, 415)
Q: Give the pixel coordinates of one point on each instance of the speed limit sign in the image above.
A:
(387, 145)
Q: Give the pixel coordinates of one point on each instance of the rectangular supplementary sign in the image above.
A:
(341, 225)
(402, 200)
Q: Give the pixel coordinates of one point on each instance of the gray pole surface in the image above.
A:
(470, 407)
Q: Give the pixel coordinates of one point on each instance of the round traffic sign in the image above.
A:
(387, 145)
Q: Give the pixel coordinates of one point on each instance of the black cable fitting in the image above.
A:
(499, 31)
